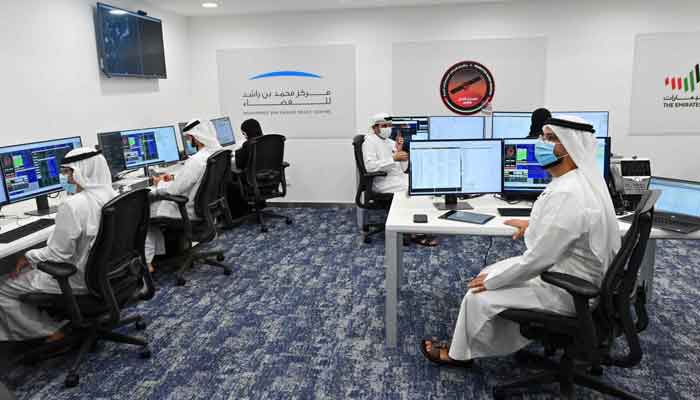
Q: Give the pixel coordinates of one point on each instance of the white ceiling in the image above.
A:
(229, 7)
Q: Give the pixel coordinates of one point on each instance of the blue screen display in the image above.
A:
(224, 131)
(33, 169)
(510, 125)
(450, 128)
(149, 146)
(677, 197)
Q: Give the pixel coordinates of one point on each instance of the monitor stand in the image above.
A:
(451, 203)
(42, 207)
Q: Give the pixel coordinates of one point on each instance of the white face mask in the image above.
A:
(385, 132)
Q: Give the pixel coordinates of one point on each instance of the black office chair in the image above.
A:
(115, 274)
(264, 177)
(210, 206)
(365, 197)
(587, 337)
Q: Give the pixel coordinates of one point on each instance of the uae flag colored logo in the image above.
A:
(467, 87)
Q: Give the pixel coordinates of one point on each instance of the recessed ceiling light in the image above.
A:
(210, 4)
(118, 12)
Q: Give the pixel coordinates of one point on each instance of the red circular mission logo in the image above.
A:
(467, 87)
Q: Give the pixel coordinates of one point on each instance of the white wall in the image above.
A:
(589, 66)
(51, 84)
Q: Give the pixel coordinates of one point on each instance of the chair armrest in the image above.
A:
(575, 286)
(375, 174)
(153, 196)
(236, 170)
(58, 270)
(285, 164)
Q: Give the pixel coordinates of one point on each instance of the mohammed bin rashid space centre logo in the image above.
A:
(685, 90)
(467, 87)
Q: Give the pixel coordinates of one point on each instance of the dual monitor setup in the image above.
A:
(140, 148)
(452, 167)
(32, 170)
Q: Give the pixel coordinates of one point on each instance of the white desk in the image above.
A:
(400, 221)
(21, 244)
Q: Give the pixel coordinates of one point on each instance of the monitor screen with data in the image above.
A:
(677, 196)
(510, 125)
(138, 148)
(456, 128)
(441, 167)
(224, 131)
(33, 169)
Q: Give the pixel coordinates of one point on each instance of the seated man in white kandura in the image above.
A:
(86, 178)
(201, 135)
(381, 153)
(572, 229)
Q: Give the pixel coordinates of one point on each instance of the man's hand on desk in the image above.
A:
(21, 265)
(519, 224)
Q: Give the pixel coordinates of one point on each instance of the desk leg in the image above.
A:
(646, 275)
(361, 217)
(393, 262)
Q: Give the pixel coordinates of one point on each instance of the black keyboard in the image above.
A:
(670, 221)
(24, 230)
(514, 212)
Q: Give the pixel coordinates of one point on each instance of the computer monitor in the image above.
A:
(510, 125)
(32, 170)
(453, 128)
(677, 196)
(599, 119)
(410, 128)
(224, 131)
(455, 167)
(524, 176)
(132, 149)
(186, 144)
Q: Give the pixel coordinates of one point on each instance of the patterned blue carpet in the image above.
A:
(301, 317)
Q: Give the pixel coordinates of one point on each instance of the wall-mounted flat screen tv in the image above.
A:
(129, 43)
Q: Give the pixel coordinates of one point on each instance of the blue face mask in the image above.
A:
(70, 188)
(544, 153)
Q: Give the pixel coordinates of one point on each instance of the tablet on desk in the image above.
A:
(465, 216)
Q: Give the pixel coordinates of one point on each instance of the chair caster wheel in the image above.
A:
(227, 272)
(288, 221)
(498, 394)
(180, 281)
(146, 354)
(72, 380)
(220, 257)
(140, 325)
(365, 228)
(367, 240)
(263, 230)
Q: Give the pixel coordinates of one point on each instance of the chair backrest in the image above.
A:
(210, 200)
(614, 313)
(363, 184)
(265, 169)
(116, 266)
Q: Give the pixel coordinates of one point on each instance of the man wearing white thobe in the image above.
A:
(87, 179)
(572, 229)
(203, 138)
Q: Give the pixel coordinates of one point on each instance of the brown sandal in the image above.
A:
(424, 240)
(434, 355)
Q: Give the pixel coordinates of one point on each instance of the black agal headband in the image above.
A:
(190, 126)
(80, 157)
(570, 124)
